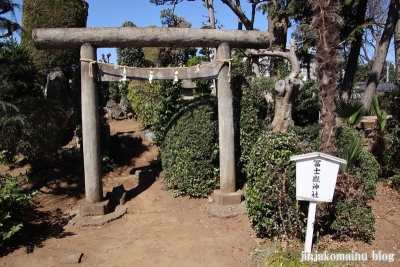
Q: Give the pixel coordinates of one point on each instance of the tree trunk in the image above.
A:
(210, 9)
(381, 53)
(397, 49)
(240, 24)
(286, 92)
(277, 29)
(327, 22)
(211, 15)
(355, 49)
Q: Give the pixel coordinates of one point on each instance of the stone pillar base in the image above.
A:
(228, 198)
(93, 209)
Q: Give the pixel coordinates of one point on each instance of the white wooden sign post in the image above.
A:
(316, 175)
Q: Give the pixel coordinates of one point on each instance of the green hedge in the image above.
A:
(271, 187)
(349, 214)
(189, 153)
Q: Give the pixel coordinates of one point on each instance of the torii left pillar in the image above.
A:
(227, 194)
(93, 204)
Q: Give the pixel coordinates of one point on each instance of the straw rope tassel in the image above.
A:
(91, 62)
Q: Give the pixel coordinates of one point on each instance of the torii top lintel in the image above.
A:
(66, 38)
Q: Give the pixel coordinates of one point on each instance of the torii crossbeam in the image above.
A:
(89, 39)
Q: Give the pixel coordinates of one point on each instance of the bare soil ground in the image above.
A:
(158, 229)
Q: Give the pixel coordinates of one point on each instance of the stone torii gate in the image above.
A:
(89, 39)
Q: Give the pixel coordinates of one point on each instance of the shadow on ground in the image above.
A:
(125, 147)
(40, 226)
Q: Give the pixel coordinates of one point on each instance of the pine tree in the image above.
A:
(7, 27)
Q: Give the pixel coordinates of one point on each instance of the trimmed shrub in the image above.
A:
(349, 215)
(169, 103)
(365, 168)
(271, 187)
(189, 153)
(354, 220)
(391, 157)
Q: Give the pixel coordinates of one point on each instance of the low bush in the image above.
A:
(349, 215)
(271, 186)
(365, 169)
(189, 154)
(13, 201)
(354, 220)
(271, 189)
(144, 98)
(390, 162)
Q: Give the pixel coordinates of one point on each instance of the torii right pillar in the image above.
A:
(227, 195)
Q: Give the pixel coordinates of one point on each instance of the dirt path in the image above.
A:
(158, 230)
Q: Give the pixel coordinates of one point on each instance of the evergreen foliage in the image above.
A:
(349, 215)
(172, 56)
(253, 115)
(131, 57)
(365, 167)
(29, 124)
(271, 186)
(170, 102)
(53, 14)
(144, 98)
(251, 112)
(306, 106)
(13, 201)
(391, 158)
(189, 154)
(7, 26)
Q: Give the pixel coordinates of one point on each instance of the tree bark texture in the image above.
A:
(210, 9)
(237, 9)
(327, 23)
(277, 28)
(397, 49)
(381, 53)
(355, 49)
(286, 90)
(64, 38)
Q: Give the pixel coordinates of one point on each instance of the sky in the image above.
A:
(104, 13)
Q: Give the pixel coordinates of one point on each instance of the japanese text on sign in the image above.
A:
(316, 178)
